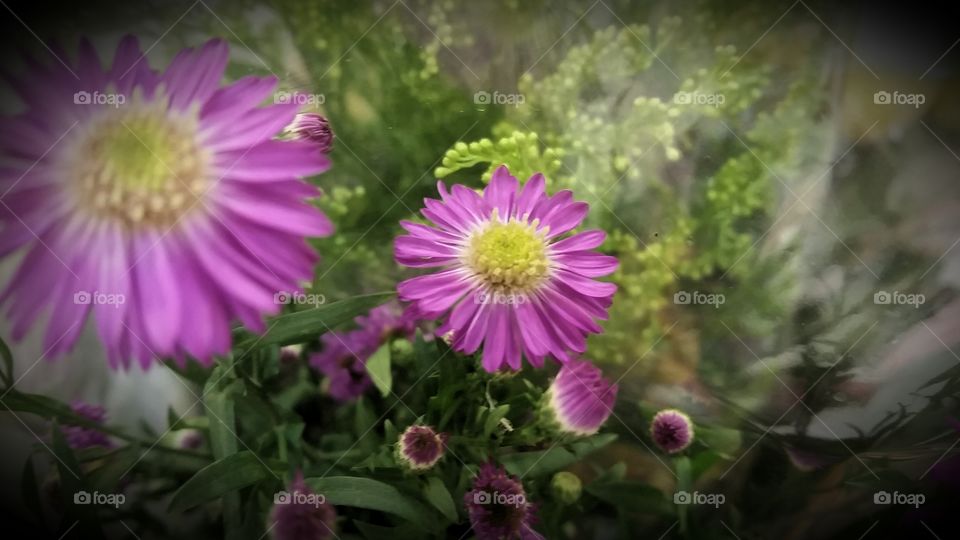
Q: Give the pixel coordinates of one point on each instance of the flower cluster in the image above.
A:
(344, 354)
(182, 210)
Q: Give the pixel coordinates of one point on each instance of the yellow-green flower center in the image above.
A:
(510, 257)
(140, 164)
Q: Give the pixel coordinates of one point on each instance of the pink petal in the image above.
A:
(583, 241)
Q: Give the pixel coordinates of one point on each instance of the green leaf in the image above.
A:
(364, 421)
(30, 491)
(553, 459)
(407, 531)
(41, 406)
(307, 325)
(107, 476)
(684, 482)
(702, 462)
(583, 447)
(193, 371)
(493, 418)
(439, 496)
(223, 442)
(7, 373)
(219, 478)
(684, 476)
(423, 352)
(538, 463)
(378, 366)
(372, 495)
(631, 495)
(724, 441)
(177, 421)
(390, 434)
(73, 487)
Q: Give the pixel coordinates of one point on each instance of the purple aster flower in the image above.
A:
(579, 400)
(510, 283)
(671, 430)
(344, 356)
(84, 437)
(158, 202)
(314, 128)
(498, 507)
(300, 514)
(420, 447)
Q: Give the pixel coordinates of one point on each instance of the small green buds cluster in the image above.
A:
(519, 151)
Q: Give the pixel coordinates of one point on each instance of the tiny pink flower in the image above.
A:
(314, 128)
(420, 447)
(672, 430)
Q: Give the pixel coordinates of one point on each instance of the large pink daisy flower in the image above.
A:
(510, 282)
(159, 202)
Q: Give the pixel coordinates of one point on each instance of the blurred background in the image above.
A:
(780, 180)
